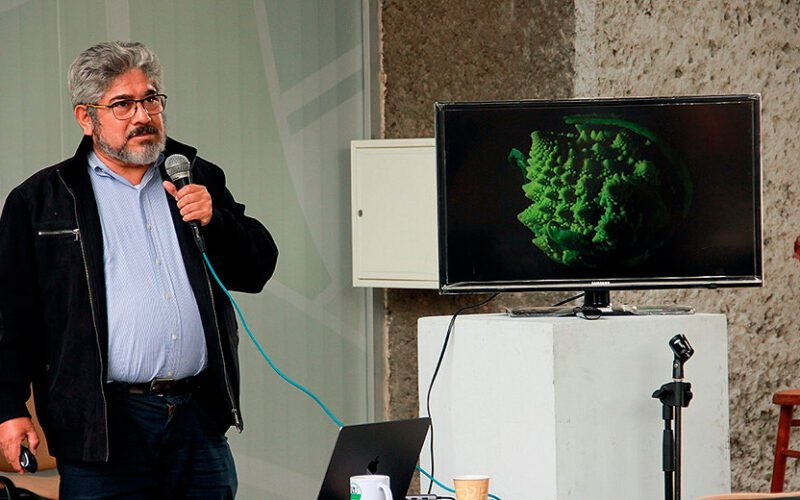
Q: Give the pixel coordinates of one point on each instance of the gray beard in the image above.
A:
(147, 155)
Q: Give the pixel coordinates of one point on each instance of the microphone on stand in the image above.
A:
(179, 171)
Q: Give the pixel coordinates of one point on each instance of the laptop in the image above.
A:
(385, 448)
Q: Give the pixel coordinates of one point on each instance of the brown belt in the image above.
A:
(160, 386)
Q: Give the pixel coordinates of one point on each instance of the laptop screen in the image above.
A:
(386, 448)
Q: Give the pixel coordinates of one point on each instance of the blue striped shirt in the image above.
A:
(154, 326)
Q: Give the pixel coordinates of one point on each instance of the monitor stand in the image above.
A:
(597, 303)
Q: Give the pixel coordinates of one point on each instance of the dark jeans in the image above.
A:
(160, 448)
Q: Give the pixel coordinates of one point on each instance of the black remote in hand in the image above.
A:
(27, 460)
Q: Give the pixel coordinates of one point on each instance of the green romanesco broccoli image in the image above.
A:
(607, 193)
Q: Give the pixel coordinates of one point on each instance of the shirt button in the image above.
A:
(174, 337)
(149, 226)
(167, 296)
(158, 261)
(169, 374)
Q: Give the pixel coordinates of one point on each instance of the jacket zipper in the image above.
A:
(92, 307)
(58, 232)
(237, 421)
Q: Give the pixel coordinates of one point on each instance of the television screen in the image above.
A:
(599, 194)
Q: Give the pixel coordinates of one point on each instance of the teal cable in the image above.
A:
(287, 379)
(434, 480)
(264, 354)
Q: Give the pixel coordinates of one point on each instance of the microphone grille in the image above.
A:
(177, 167)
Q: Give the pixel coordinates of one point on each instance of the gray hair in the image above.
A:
(95, 68)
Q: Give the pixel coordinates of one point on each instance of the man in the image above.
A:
(106, 305)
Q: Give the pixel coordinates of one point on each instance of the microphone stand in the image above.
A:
(674, 396)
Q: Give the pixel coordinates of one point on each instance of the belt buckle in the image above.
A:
(155, 383)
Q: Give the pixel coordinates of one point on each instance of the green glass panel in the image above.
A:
(219, 100)
(271, 91)
(311, 34)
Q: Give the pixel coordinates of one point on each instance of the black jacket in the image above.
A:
(53, 319)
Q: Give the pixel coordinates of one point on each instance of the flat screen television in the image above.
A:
(599, 194)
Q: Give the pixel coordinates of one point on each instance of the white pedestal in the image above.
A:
(562, 408)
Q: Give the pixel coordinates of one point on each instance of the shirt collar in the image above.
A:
(97, 166)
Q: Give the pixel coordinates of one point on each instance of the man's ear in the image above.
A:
(84, 119)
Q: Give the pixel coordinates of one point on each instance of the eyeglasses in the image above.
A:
(153, 105)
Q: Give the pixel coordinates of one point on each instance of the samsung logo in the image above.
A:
(600, 283)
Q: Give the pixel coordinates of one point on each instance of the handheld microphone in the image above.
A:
(179, 171)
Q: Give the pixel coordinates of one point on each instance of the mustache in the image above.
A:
(144, 130)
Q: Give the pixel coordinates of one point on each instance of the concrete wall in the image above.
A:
(505, 49)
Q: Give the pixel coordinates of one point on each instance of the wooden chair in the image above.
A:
(787, 399)
(45, 482)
